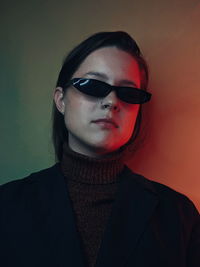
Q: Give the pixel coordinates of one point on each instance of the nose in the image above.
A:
(111, 102)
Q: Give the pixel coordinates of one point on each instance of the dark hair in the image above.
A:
(118, 39)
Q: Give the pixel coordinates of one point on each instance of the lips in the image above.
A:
(106, 121)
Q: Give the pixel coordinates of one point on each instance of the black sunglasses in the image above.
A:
(100, 89)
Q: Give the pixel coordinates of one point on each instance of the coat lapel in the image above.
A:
(135, 203)
(59, 233)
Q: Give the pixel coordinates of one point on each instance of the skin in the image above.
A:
(90, 138)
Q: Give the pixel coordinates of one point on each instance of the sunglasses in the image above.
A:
(101, 89)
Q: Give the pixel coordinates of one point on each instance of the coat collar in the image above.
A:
(135, 203)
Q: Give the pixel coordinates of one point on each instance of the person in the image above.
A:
(90, 209)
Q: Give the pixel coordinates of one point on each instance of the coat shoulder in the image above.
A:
(17, 187)
(165, 193)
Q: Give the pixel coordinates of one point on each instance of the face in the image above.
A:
(99, 126)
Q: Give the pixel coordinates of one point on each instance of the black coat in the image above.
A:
(150, 225)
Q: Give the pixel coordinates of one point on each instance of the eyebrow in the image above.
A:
(128, 82)
(105, 77)
(97, 74)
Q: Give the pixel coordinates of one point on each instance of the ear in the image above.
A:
(59, 99)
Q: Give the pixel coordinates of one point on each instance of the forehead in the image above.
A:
(115, 64)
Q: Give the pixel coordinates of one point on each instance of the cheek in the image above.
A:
(77, 109)
(130, 120)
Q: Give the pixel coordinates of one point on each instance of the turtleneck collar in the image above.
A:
(87, 170)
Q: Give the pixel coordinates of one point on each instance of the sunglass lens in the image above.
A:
(133, 95)
(91, 87)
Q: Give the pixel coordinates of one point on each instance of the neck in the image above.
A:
(85, 169)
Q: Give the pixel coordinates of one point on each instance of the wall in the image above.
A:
(35, 36)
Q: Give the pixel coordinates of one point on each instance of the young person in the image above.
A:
(89, 209)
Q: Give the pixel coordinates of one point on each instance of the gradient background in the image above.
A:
(35, 37)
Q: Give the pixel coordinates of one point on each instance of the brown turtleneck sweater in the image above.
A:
(92, 185)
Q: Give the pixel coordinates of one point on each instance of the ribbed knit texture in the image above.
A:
(92, 185)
